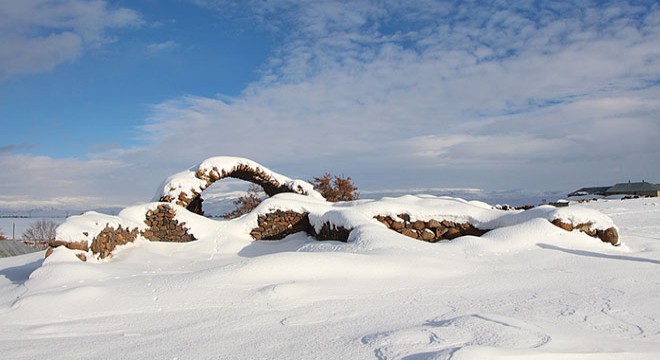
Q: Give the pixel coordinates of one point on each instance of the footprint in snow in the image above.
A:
(441, 338)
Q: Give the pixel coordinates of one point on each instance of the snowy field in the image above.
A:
(528, 291)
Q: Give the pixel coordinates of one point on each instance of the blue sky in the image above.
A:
(97, 99)
(101, 100)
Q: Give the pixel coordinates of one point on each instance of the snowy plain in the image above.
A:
(528, 291)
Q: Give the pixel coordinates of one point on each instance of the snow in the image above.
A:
(187, 182)
(525, 290)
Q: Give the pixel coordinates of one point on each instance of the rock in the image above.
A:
(441, 231)
(586, 228)
(452, 233)
(471, 230)
(427, 235)
(398, 225)
(410, 233)
(433, 224)
(419, 225)
(609, 236)
(563, 225)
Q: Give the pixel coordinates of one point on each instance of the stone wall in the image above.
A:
(279, 224)
(609, 235)
(109, 238)
(193, 201)
(164, 227)
(332, 232)
(431, 230)
(434, 230)
(77, 245)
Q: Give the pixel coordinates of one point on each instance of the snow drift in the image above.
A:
(527, 288)
(295, 206)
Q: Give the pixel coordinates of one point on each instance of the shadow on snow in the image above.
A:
(597, 255)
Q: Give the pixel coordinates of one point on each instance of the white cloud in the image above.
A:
(162, 46)
(490, 86)
(421, 94)
(42, 180)
(37, 35)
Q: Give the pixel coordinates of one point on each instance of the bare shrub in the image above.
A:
(2, 235)
(333, 188)
(40, 231)
(336, 188)
(247, 202)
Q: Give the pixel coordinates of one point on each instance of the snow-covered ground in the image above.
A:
(528, 291)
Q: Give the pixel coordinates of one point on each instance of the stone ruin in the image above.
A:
(161, 224)
(431, 231)
(609, 235)
(192, 199)
(164, 227)
(280, 224)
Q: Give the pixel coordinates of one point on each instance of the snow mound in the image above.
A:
(294, 206)
(359, 220)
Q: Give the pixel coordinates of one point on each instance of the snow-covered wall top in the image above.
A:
(421, 215)
(182, 188)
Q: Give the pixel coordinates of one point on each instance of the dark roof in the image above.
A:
(633, 187)
(13, 248)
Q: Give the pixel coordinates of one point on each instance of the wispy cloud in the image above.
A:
(162, 46)
(7, 149)
(37, 35)
(537, 95)
(433, 84)
(40, 178)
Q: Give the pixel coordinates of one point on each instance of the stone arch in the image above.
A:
(185, 188)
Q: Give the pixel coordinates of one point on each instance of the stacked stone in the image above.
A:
(109, 238)
(431, 230)
(332, 232)
(76, 245)
(164, 227)
(609, 235)
(279, 224)
(247, 173)
(192, 199)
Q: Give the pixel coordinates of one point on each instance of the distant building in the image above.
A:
(590, 191)
(630, 188)
(13, 248)
(637, 188)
